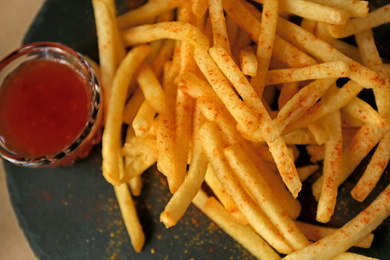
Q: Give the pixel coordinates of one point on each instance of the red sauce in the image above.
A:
(44, 106)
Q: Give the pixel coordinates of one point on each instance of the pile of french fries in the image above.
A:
(217, 91)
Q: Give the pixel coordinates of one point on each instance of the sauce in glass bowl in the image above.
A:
(50, 111)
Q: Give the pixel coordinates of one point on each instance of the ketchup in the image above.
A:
(44, 106)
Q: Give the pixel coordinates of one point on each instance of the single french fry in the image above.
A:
(373, 171)
(144, 119)
(107, 54)
(262, 194)
(130, 217)
(355, 8)
(112, 130)
(213, 148)
(334, 69)
(166, 130)
(244, 234)
(332, 166)
(151, 88)
(146, 12)
(248, 61)
(373, 19)
(316, 232)
(351, 233)
(171, 30)
(132, 106)
(218, 24)
(265, 43)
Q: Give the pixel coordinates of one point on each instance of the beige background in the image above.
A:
(15, 18)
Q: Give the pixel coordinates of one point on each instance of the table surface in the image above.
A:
(15, 18)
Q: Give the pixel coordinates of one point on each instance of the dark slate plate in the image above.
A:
(72, 213)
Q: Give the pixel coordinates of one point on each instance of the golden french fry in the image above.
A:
(105, 35)
(132, 106)
(373, 19)
(171, 30)
(146, 12)
(218, 24)
(144, 119)
(248, 61)
(244, 234)
(112, 130)
(360, 226)
(316, 232)
(332, 167)
(129, 215)
(265, 43)
(333, 69)
(151, 88)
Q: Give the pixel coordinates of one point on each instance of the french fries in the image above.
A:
(221, 94)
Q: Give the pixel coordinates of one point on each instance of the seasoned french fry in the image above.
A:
(111, 134)
(362, 111)
(248, 61)
(151, 88)
(171, 30)
(334, 69)
(218, 24)
(332, 167)
(265, 43)
(316, 232)
(373, 19)
(144, 119)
